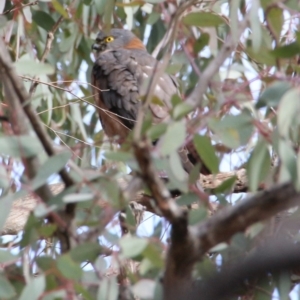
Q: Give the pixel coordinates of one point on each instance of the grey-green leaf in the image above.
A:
(133, 246)
(34, 288)
(203, 19)
(31, 67)
(174, 137)
(6, 289)
(207, 153)
(259, 165)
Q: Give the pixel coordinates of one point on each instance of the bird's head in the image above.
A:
(117, 39)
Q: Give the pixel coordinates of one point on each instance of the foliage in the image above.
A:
(250, 111)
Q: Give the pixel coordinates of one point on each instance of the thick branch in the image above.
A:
(19, 103)
(276, 256)
(161, 195)
(231, 220)
(14, 89)
(22, 207)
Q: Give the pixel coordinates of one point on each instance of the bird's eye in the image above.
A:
(109, 39)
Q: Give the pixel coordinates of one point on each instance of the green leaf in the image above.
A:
(226, 186)
(153, 18)
(174, 137)
(259, 165)
(263, 56)
(100, 6)
(101, 265)
(6, 289)
(53, 165)
(2, 5)
(43, 19)
(20, 146)
(288, 160)
(156, 131)
(275, 20)
(6, 257)
(67, 43)
(3, 22)
(286, 51)
(264, 289)
(47, 230)
(45, 262)
(30, 233)
(60, 9)
(234, 19)
(207, 152)
(176, 167)
(68, 267)
(108, 289)
(233, 130)
(34, 288)
(154, 1)
(157, 230)
(4, 178)
(31, 67)
(153, 252)
(288, 111)
(27, 14)
(202, 19)
(118, 156)
(272, 95)
(144, 288)
(284, 284)
(86, 252)
(75, 198)
(6, 204)
(187, 199)
(255, 26)
(181, 110)
(132, 246)
(77, 117)
(201, 42)
(197, 215)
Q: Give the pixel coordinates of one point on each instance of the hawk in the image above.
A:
(119, 74)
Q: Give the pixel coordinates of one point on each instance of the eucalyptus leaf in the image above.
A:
(258, 165)
(34, 288)
(174, 137)
(68, 268)
(132, 246)
(6, 288)
(31, 67)
(20, 146)
(207, 152)
(43, 19)
(203, 19)
(109, 289)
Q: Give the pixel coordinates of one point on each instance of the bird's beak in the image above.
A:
(96, 47)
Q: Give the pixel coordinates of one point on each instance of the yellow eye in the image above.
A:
(109, 39)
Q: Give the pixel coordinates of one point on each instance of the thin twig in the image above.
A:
(15, 90)
(50, 38)
(17, 7)
(196, 97)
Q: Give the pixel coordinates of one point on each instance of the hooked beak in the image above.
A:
(96, 47)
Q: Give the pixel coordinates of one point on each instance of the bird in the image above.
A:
(121, 69)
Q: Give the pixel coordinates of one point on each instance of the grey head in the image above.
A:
(117, 39)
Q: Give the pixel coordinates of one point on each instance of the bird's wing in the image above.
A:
(124, 74)
(166, 86)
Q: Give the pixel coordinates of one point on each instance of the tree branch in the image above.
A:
(231, 220)
(22, 207)
(196, 97)
(19, 104)
(274, 257)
